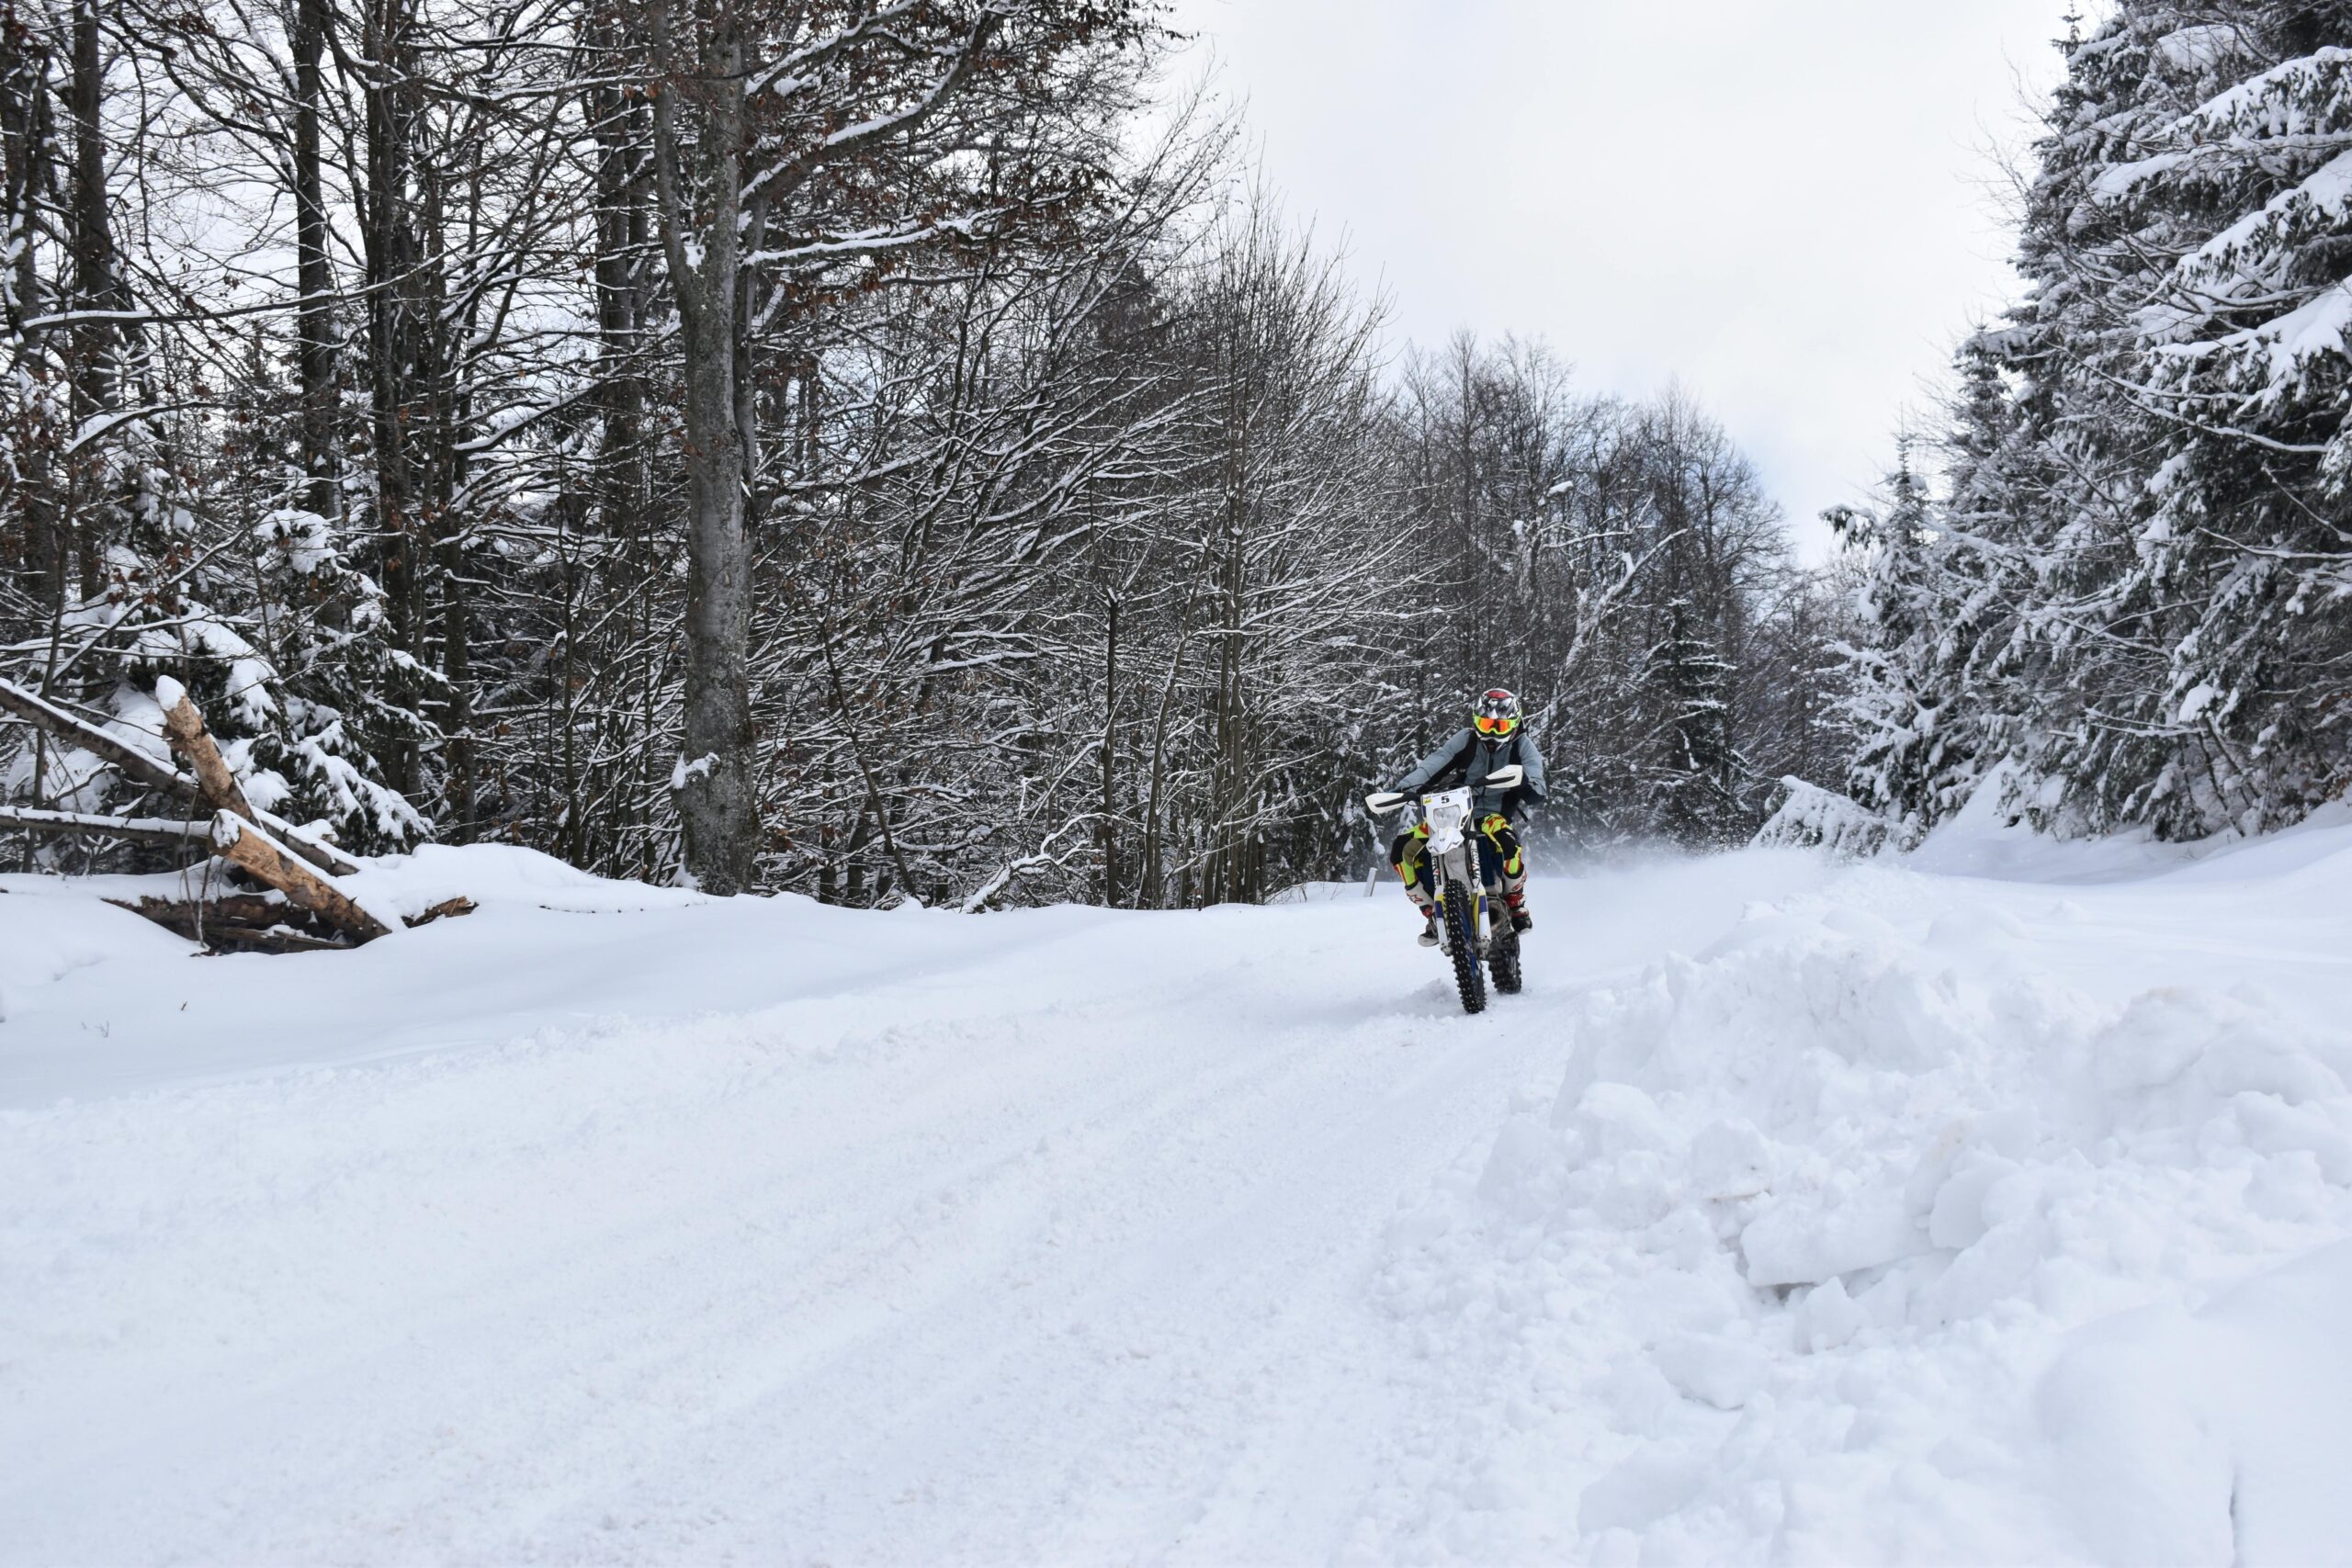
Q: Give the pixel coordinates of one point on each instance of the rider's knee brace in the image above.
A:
(1407, 855)
(1508, 852)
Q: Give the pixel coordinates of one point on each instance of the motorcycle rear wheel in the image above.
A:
(1502, 957)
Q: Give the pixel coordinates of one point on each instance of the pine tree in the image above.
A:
(1697, 771)
(2233, 599)
(2135, 587)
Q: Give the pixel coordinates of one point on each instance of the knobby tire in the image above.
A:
(1503, 959)
(1462, 945)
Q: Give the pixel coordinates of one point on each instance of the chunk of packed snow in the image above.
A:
(1936, 1149)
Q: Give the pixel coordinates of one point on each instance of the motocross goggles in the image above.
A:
(1493, 724)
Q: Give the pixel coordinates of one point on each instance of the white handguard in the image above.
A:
(1507, 778)
(1381, 802)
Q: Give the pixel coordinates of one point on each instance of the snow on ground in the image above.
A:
(1991, 1206)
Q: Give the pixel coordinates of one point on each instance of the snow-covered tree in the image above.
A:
(1913, 707)
(815, 445)
(2135, 586)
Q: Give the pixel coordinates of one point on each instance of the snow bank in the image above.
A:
(510, 875)
(1983, 839)
(2213, 1436)
(1878, 1241)
(1812, 817)
(53, 927)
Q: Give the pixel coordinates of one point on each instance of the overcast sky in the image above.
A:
(1784, 204)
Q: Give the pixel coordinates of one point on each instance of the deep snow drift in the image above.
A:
(1991, 1206)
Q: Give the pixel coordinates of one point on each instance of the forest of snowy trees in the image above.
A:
(882, 447)
(2116, 584)
(857, 447)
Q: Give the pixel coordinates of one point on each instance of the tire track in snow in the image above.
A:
(722, 1331)
(1055, 1244)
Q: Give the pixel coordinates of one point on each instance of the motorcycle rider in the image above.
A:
(1496, 739)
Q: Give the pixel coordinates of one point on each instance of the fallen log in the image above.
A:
(261, 909)
(234, 923)
(265, 848)
(269, 863)
(129, 759)
(189, 737)
(145, 829)
(278, 939)
(448, 908)
(140, 768)
(186, 728)
(309, 845)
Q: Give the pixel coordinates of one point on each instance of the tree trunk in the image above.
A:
(94, 291)
(1108, 830)
(26, 158)
(394, 353)
(714, 787)
(445, 425)
(314, 279)
(1154, 835)
(620, 250)
(713, 781)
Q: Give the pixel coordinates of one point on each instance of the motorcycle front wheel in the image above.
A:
(1462, 946)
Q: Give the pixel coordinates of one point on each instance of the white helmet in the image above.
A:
(1496, 714)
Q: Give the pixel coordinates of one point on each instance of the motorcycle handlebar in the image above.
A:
(1381, 802)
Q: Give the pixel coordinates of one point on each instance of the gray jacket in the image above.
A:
(1470, 757)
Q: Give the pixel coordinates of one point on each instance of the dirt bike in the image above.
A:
(1460, 865)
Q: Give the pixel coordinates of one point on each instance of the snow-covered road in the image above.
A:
(639, 1228)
